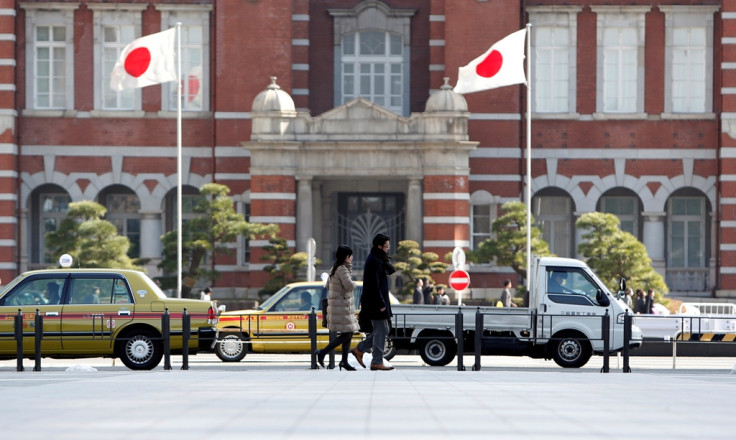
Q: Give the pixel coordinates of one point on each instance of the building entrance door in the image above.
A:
(360, 216)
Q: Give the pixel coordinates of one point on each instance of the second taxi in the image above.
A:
(280, 324)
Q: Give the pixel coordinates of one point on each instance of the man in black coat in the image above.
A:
(418, 297)
(374, 302)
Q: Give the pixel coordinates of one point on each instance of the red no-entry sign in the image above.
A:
(459, 280)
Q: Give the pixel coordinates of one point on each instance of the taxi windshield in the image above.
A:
(272, 299)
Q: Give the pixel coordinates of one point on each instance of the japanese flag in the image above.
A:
(146, 61)
(501, 65)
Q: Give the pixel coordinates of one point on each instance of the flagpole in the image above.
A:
(178, 163)
(528, 155)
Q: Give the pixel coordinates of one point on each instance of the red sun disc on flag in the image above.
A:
(137, 62)
(490, 65)
(193, 82)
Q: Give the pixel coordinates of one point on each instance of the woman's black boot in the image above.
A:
(321, 357)
(346, 365)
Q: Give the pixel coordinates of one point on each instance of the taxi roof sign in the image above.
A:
(66, 260)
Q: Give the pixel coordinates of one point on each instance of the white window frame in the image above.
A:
(547, 222)
(633, 217)
(43, 215)
(123, 217)
(108, 14)
(701, 219)
(386, 61)
(188, 15)
(244, 246)
(562, 19)
(630, 17)
(373, 15)
(482, 198)
(688, 17)
(49, 14)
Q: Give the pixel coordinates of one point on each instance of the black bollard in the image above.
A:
(19, 340)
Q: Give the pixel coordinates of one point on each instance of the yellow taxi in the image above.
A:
(100, 312)
(280, 324)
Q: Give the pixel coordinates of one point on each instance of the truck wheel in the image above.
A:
(231, 348)
(389, 350)
(139, 350)
(571, 350)
(438, 351)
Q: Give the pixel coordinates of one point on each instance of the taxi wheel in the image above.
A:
(231, 348)
(139, 350)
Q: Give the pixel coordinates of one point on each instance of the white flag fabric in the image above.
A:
(501, 65)
(146, 61)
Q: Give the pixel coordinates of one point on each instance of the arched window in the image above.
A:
(624, 204)
(372, 67)
(372, 54)
(688, 241)
(552, 209)
(687, 230)
(123, 210)
(190, 197)
(48, 205)
(483, 212)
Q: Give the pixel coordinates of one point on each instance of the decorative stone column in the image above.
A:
(151, 246)
(23, 245)
(414, 210)
(303, 212)
(578, 235)
(654, 240)
(712, 258)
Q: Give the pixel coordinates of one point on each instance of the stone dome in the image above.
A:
(273, 99)
(445, 100)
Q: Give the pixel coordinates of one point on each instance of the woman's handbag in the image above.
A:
(324, 312)
(364, 322)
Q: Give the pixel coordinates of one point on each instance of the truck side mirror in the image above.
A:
(622, 284)
(602, 299)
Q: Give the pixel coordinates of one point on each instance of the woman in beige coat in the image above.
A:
(340, 309)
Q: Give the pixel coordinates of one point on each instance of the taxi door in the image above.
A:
(96, 306)
(42, 293)
(288, 316)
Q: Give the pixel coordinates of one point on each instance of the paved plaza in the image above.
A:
(278, 397)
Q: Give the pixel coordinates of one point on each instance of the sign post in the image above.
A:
(459, 281)
(311, 249)
(460, 276)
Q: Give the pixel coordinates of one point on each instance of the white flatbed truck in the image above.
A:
(563, 321)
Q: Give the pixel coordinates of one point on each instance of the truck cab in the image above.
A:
(570, 301)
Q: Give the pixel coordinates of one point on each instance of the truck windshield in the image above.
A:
(573, 281)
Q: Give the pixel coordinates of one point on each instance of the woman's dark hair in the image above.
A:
(341, 254)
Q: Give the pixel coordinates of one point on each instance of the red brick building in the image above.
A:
(631, 114)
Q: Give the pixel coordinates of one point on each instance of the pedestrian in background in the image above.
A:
(506, 295)
(340, 308)
(206, 294)
(649, 303)
(418, 297)
(428, 291)
(640, 302)
(442, 299)
(628, 298)
(374, 302)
